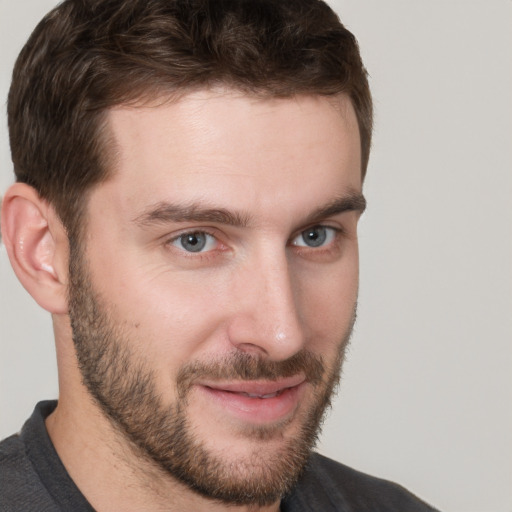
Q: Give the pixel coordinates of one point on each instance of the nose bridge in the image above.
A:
(269, 318)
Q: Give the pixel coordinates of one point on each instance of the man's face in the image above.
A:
(217, 286)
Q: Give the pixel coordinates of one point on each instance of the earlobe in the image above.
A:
(36, 243)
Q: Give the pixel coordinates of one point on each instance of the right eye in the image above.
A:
(196, 241)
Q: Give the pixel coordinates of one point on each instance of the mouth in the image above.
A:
(255, 402)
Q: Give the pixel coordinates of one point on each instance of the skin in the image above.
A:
(256, 289)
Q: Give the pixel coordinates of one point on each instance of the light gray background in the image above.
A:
(426, 398)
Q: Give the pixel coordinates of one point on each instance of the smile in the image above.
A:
(255, 402)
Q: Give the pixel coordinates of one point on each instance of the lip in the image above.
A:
(256, 402)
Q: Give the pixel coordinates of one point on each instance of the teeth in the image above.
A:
(253, 395)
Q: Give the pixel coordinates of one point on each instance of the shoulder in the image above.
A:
(330, 486)
(14, 463)
(20, 486)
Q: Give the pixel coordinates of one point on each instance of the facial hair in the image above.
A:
(123, 386)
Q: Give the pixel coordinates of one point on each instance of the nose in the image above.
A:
(267, 317)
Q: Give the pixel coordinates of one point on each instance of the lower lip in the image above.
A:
(258, 411)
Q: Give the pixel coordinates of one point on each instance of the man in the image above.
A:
(189, 182)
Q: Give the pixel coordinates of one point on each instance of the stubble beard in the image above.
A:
(124, 388)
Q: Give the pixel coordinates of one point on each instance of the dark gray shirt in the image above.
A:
(33, 479)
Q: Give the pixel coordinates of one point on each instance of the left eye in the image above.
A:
(198, 241)
(316, 236)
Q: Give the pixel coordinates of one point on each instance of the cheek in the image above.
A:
(328, 298)
(167, 316)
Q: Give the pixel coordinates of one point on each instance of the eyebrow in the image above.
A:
(353, 202)
(169, 212)
(165, 212)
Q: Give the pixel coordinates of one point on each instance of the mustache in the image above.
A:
(243, 366)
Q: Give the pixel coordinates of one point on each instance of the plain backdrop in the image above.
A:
(426, 397)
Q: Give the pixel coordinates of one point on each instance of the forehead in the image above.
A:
(243, 150)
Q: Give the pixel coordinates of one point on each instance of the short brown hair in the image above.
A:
(87, 56)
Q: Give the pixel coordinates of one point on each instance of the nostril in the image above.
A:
(250, 348)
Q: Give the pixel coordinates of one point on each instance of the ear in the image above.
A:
(37, 246)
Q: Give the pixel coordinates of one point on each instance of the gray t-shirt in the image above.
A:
(33, 479)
